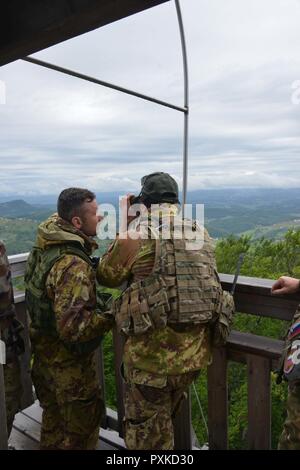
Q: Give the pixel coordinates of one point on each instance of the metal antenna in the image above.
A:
(237, 272)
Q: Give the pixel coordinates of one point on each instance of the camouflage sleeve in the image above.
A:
(71, 285)
(115, 266)
(6, 289)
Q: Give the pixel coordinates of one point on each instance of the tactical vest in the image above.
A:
(39, 306)
(183, 288)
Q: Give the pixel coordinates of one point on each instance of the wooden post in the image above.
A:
(218, 401)
(259, 402)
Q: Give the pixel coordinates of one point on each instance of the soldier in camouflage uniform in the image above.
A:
(66, 323)
(12, 378)
(290, 437)
(167, 313)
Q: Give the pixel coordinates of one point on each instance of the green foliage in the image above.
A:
(270, 259)
(18, 234)
(109, 372)
(228, 251)
(200, 408)
(263, 257)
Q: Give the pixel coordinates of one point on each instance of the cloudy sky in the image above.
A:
(244, 66)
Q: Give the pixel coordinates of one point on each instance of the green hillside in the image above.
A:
(18, 234)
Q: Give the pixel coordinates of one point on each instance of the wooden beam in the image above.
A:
(259, 403)
(253, 295)
(248, 343)
(27, 26)
(218, 401)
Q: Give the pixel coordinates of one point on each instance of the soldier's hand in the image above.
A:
(285, 285)
(126, 215)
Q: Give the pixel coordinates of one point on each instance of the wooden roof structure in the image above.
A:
(27, 26)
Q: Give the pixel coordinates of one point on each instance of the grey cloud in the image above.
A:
(244, 130)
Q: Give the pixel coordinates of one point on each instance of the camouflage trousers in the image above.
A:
(290, 437)
(150, 411)
(72, 405)
(13, 391)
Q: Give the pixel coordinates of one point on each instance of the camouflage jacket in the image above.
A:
(7, 309)
(150, 358)
(71, 287)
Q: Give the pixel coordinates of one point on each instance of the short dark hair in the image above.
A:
(70, 202)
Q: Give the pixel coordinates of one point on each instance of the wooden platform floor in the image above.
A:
(25, 434)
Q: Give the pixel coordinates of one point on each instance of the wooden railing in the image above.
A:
(260, 354)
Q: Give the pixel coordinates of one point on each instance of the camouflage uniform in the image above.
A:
(290, 437)
(159, 365)
(64, 370)
(12, 380)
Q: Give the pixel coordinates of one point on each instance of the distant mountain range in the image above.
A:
(21, 209)
(258, 212)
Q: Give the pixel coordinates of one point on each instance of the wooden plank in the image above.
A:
(27, 426)
(34, 412)
(256, 282)
(253, 295)
(259, 403)
(31, 429)
(118, 342)
(112, 419)
(108, 439)
(265, 306)
(236, 356)
(183, 426)
(19, 441)
(112, 438)
(218, 401)
(254, 344)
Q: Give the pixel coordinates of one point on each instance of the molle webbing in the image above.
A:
(39, 264)
(182, 289)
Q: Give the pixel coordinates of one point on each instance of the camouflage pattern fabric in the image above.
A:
(160, 364)
(290, 437)
(168, 352)
(150, 410)
(65, 381)
(13, 391)
(12, 378)
(71, 285)
(70, 395)
(165, 351)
